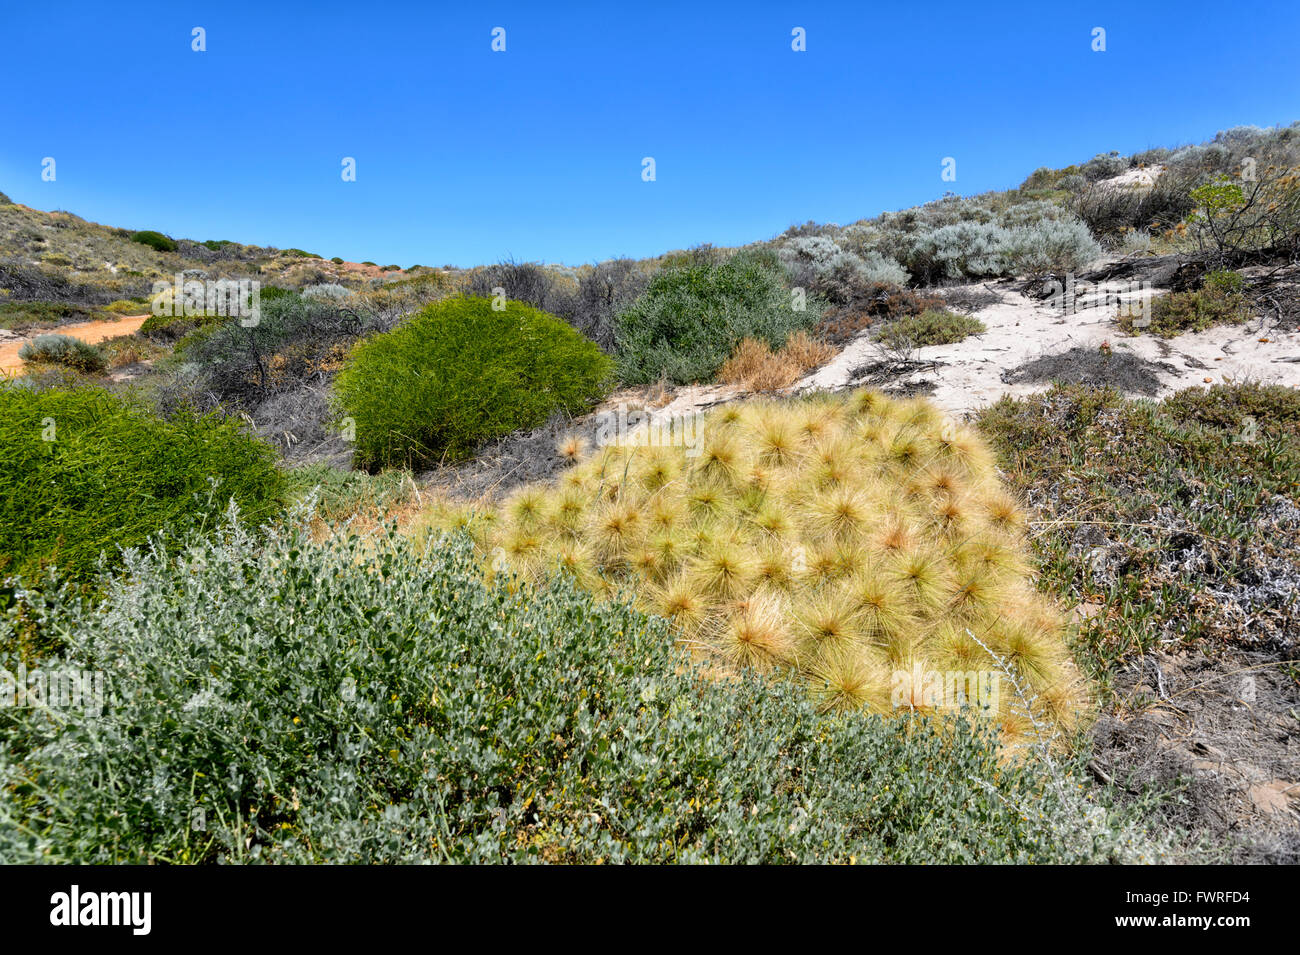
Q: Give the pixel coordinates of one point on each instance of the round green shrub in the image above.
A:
(691, 318)
(155, 240)
(86, 472)
(64, 350)
(459, 373)
(171, 328)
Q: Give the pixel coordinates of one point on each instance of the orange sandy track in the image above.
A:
(95, 331)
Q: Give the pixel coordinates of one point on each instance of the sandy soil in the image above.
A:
(95, 331)
(968, 375)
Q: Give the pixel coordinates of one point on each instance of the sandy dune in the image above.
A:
(1020, 329)
(968, 376)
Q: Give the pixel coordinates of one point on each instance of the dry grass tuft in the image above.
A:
(756, 367)
(848, 537)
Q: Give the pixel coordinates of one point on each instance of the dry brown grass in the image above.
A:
(756, 367)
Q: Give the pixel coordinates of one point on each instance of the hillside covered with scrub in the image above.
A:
(965, 533)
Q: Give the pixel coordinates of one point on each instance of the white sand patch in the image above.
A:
(1143, 178)
(967, 376)
(1020, 329)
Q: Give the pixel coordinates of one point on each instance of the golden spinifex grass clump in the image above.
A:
(854, 538)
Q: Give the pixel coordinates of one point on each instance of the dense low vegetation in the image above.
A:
(461, 372)
(62, 350)
(1219, 301)
(693, 316)
(1174, 519)
(87, 473)
(934, 326)
(281, 700)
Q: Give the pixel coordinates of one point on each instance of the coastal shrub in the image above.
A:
(327, 290)
(820, 265)
(294, 341)
(692, 317)
(285, 700)
(63, 350)
(155, 240)
(975, 250)
(603, 292)
(172, 328)
(934, 326)
(87, 473)
(459, 373)
(1219, 301)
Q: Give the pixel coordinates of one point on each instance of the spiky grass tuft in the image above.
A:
(828, 622)
(725, 568)
(572, 447)
(756, 634)
(839, 535)
(849, 680)
(681, 601)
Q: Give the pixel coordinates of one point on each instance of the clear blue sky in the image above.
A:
(467, 156)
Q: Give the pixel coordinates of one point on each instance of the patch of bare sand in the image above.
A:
(967, 376)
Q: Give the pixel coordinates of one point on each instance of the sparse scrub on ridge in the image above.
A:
(1203, 198)
(459, 373)
(847, 537)
(589, 303)
(63, 350)
(29, 315)
(1231, 216)
(86, 473)
(983, 236)
(371, 701)
(692, 317)
(934, 326)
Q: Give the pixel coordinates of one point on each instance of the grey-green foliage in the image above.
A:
(327, 290)
(958, 238)
(691, 317)
(274, 699)
(813, 260)
(975, 250)
(56, 349)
